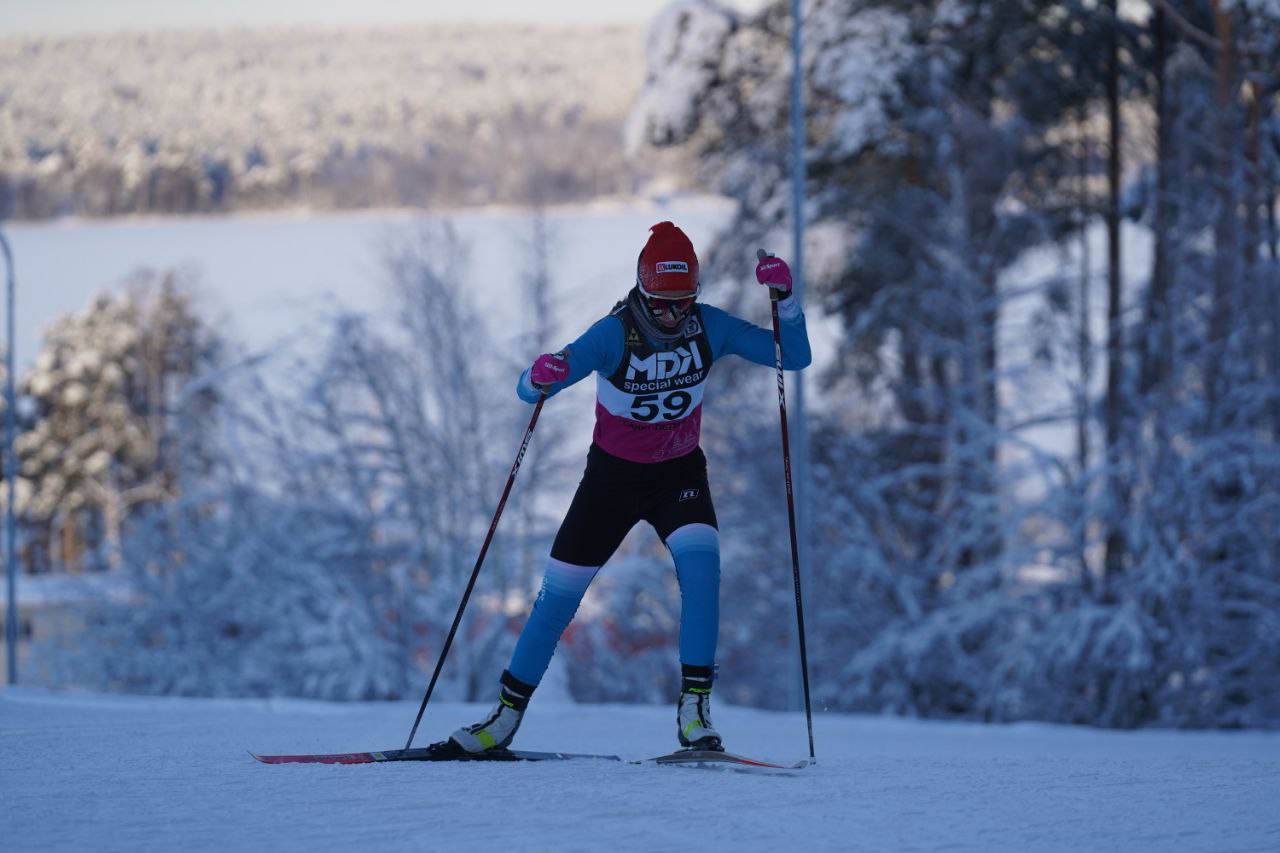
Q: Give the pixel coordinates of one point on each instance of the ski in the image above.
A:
(424, 754)
(716, 759)
(683, 758)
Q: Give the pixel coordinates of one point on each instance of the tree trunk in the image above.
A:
(1273, 227)
(990, 363)
(1157, 353)
(1254, 300)
(1084, 337)
(1226, 222)
(1272, 287)
(1252, 184)
(1084, 344)
(1116, 511)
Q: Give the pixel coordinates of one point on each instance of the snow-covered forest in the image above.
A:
(1131, 574)
(1043, 487)
(221, 120)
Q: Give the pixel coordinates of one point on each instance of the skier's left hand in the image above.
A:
(773, 272)
(548, 369)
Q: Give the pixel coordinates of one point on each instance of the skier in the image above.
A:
(651, 355)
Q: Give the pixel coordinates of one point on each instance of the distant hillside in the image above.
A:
(217, 120)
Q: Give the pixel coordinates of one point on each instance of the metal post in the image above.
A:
(798, 286)
(11, 477)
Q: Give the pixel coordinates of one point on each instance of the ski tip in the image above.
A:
(725, 760)
(770, 765)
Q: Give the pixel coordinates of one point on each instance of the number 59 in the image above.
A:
(673, 406)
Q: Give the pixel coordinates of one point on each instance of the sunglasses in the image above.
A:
(675, 309)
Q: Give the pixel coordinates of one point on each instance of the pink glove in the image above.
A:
(548, 369)
(774, 272)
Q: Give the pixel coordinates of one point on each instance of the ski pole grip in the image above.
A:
(761, 254)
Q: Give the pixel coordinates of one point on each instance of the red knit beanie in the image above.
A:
(668, 266)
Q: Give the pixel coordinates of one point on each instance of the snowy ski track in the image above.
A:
(91, 772)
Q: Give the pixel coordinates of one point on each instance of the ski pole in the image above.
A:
(475, 572)
(791, 507)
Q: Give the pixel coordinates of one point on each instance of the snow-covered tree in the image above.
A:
(241, 594)
(118, 415)
(325, 549)
(400, 422)
(943, 143)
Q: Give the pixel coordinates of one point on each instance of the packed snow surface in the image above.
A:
(81, 772)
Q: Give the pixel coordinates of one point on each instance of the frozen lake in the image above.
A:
(263, 276)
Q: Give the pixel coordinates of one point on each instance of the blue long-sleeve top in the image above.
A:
(600, 349)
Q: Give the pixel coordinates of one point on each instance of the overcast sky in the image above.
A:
(68, 16)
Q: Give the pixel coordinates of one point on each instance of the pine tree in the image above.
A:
(945, 140)
(118, 416)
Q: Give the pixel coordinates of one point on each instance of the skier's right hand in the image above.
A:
(548, 369)
(773, 272)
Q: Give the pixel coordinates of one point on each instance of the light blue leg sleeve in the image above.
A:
(563, 586)
(696, 551)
